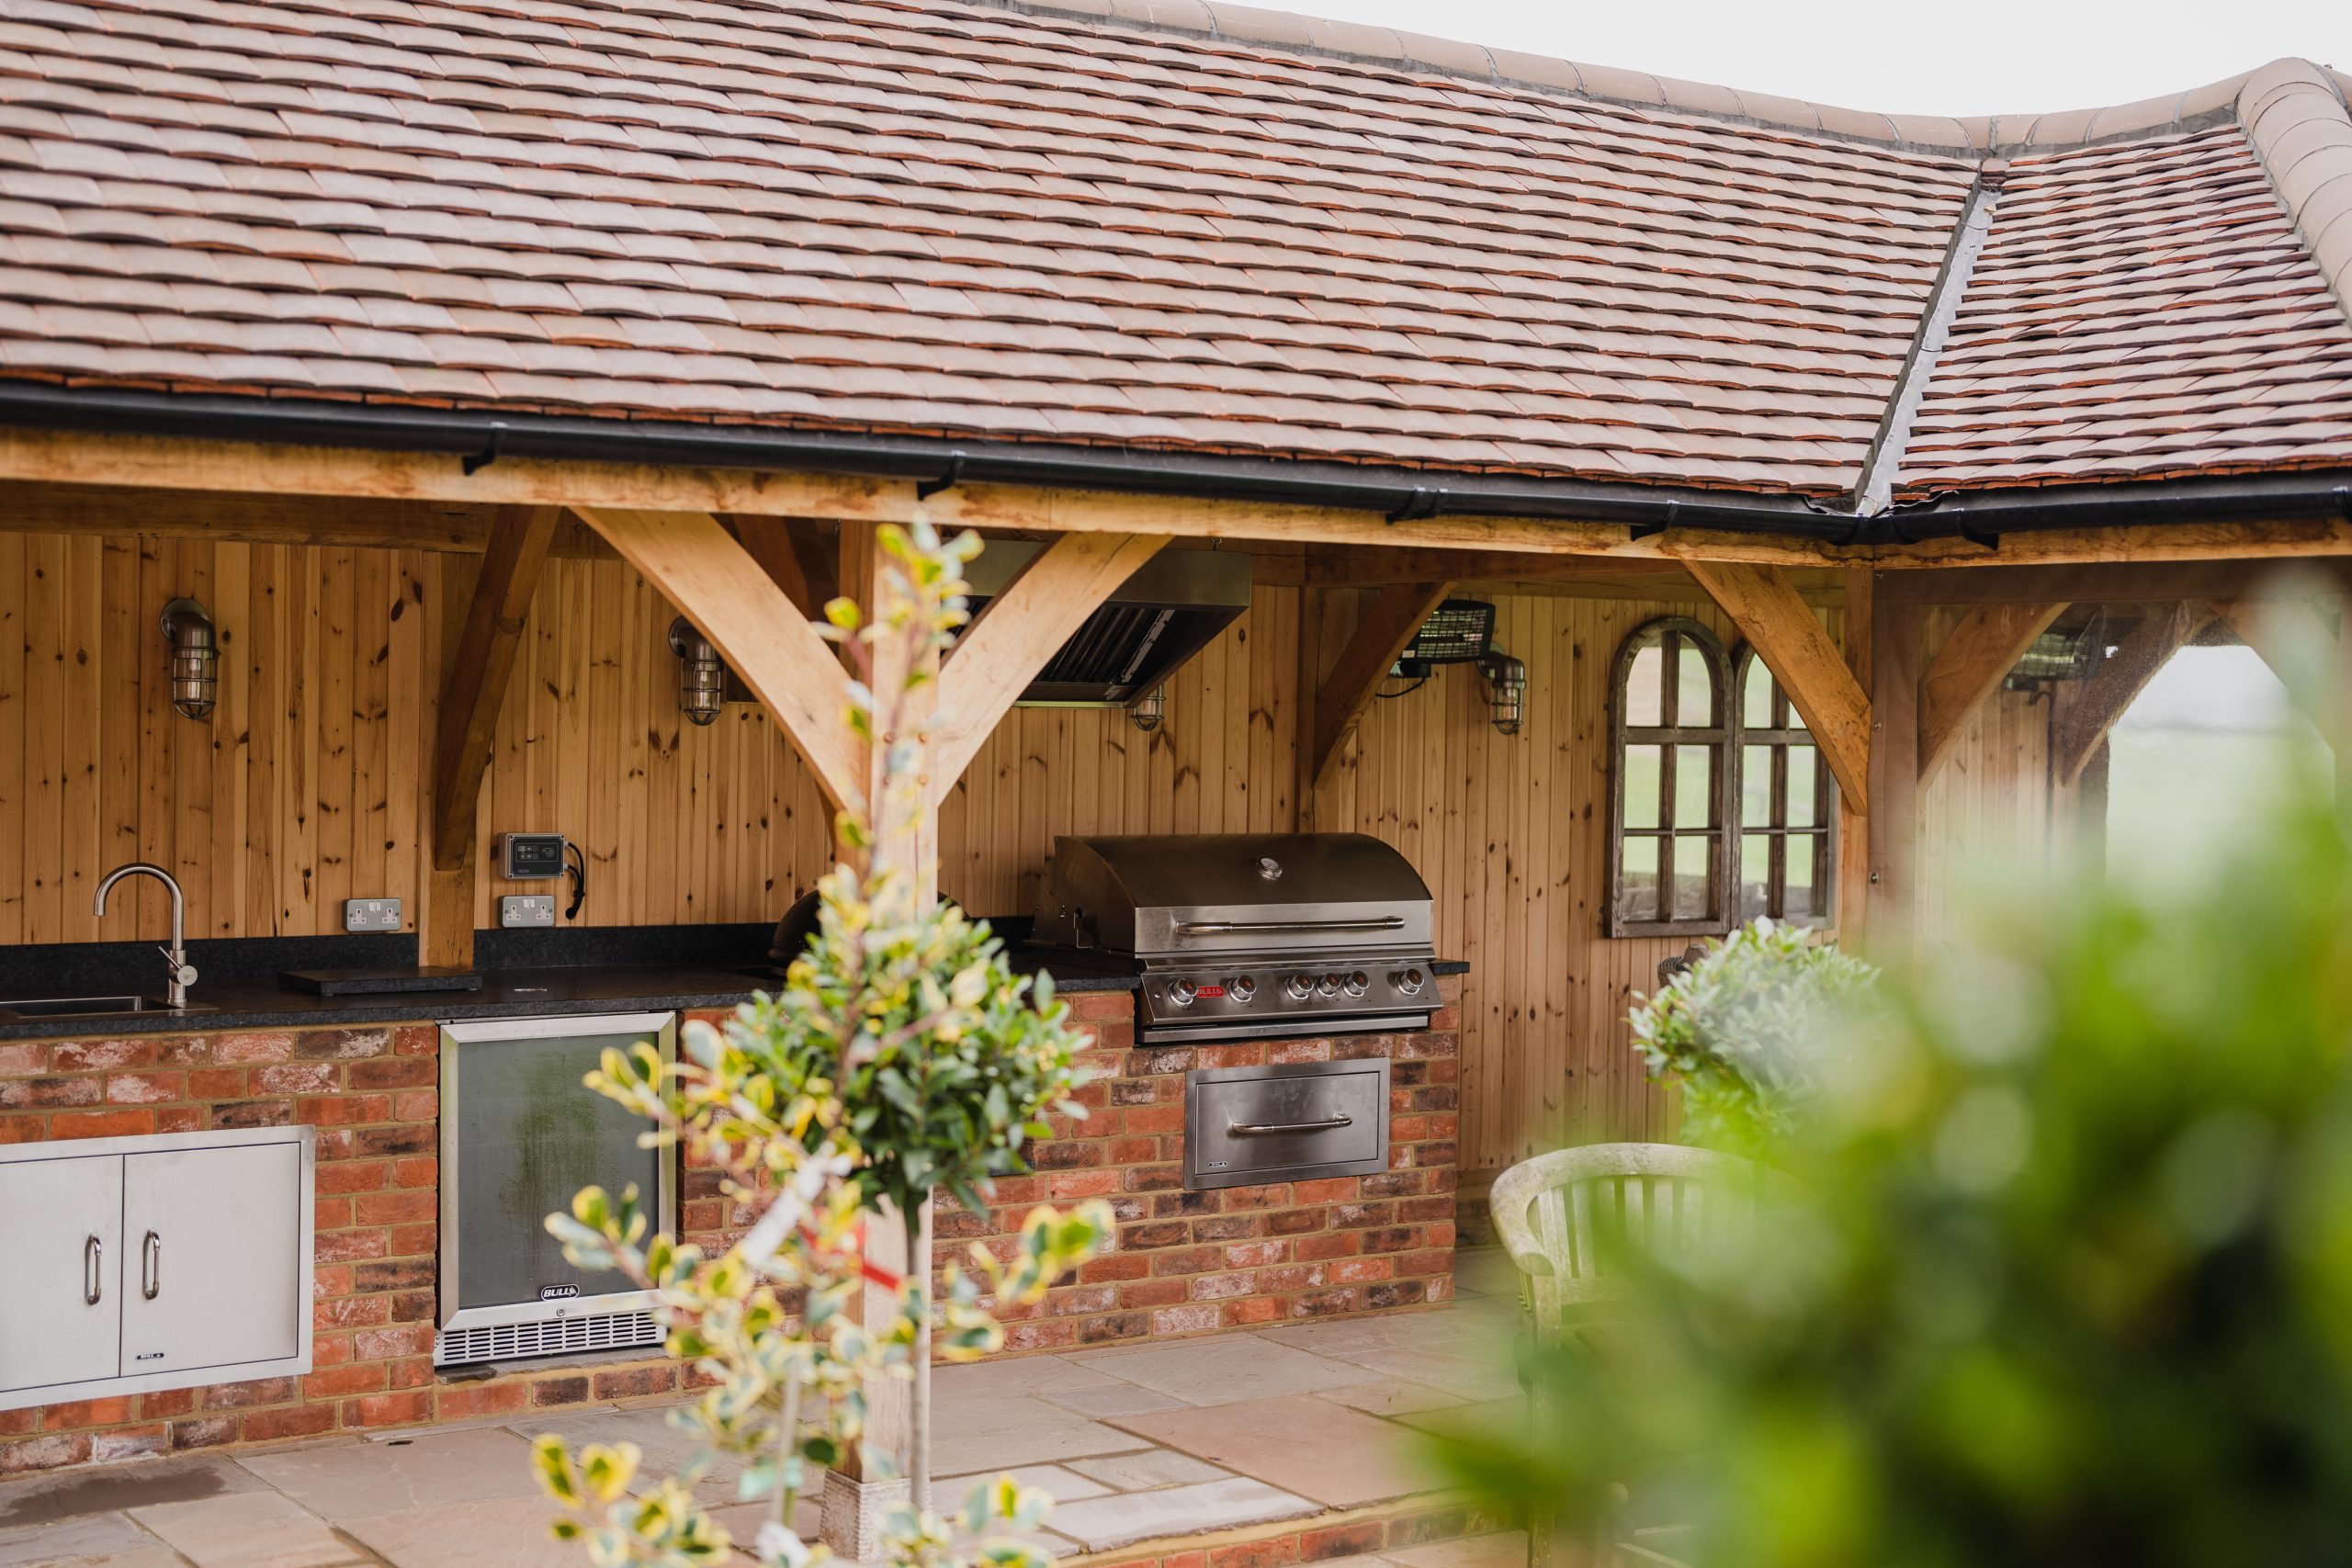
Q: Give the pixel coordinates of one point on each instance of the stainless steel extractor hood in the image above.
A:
(1172, 607)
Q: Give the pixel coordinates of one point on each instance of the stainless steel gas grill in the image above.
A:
(1242, 936)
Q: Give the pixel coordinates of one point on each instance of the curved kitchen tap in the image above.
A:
(182, 973)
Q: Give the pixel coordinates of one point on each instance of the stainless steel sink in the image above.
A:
(90, 1007)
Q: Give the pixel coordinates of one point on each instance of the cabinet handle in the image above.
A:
(93, 1258)
(150, 1266)
(1325, 1125)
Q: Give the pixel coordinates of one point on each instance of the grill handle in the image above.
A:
(1235, 1128)
(1223, 928)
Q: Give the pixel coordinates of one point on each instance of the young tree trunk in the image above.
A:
(918, 1435)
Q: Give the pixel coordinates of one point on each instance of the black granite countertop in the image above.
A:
(505, 993)
(239, 990)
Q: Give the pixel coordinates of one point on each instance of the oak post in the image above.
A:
(1312, 603)
(473, 688)
(1858, 620)
(904, 835)
(1890, 911)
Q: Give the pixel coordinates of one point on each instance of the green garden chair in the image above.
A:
(1563, 1216)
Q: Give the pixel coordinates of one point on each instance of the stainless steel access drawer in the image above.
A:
(1249, 1126)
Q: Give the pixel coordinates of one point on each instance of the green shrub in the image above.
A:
(2069, 1279)
(1746, 1029)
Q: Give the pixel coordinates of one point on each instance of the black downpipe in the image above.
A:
(475, 440)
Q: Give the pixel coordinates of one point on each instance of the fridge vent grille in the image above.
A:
(553, 1337)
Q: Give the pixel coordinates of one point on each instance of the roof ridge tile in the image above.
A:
(2293, 112)
(1384, 47)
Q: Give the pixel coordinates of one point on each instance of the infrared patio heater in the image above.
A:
(1461, 631)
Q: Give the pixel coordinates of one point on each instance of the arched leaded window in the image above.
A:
(1670, 736)
(1788, 802)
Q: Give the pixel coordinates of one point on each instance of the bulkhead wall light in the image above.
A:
(1147, 712)
(194, 657)
(702, 675)
(1505, 690)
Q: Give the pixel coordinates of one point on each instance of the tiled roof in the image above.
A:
(2139, 310)
(1228, 231)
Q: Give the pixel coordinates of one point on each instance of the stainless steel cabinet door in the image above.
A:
(213, 1272)
(61, 1271)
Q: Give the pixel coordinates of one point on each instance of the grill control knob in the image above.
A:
(1408, 980)
(1328, 985)
(1182, 992)
(1299, 987)
(1241, 988)
(1356, 984)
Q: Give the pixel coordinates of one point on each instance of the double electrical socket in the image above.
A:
(371, 914)
(525, 909)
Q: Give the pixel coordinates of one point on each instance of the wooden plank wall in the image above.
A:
(304, 789)
(301, 792)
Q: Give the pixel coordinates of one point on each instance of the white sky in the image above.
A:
(1898, 55)
(2213, 688)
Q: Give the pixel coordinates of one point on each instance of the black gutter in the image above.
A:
(476, 439)
(2270, 496)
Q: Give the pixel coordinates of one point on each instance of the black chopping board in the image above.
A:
(378, 982)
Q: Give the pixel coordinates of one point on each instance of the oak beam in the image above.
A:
(769, 541)
(1395, 565)
(2087, 710)
(219, 517)
(2289, 635)
(1383, 629)
(1789, 637)
(2120, 582)
(1003, 649)
(700, 569)
(1969, 667)
(473, 688)
(2312, 659)
(286, 468)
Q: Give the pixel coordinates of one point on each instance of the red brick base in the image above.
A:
(1190, 1262)
(1184, 1262)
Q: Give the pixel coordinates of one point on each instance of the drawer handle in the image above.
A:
(93, 1259)
(1323, 1127)
(150, 1266)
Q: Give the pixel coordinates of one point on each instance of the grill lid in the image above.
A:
(1172, 895)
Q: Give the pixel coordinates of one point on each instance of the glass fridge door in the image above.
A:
(521, 1134)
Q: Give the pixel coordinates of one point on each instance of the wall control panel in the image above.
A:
(530, 857)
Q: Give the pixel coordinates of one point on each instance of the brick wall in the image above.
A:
(1190, 1262)
(374, 1095)
(1184, 1262)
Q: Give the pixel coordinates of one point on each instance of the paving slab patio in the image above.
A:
(248, 1530)
(1135, 1442)
(1339, 1457)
